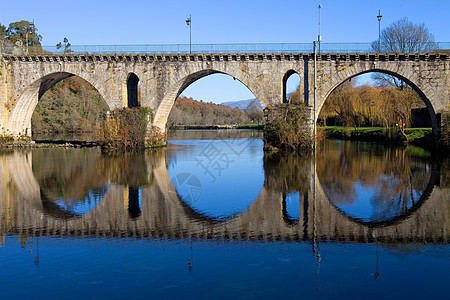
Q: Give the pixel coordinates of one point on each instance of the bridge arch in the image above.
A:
(19, 122)
(133, 84)
(285, 79)
(164, 108)
(424, 92)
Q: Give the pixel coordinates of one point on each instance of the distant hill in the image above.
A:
(187, 111)
(242, 104)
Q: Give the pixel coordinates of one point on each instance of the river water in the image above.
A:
(212, 215)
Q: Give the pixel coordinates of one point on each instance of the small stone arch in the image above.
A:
(19, 122)
(164, 108)
(133, 90)
(329, 87)
(286, 76)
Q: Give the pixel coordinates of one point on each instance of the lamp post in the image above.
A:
(371, 111)
(188, 23)
(319, 37)
(379, 30)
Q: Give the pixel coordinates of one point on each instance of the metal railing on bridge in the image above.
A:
(200, 48)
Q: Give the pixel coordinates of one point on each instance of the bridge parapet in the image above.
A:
(205, 48)
(220, 57)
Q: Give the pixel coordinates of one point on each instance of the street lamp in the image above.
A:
(188, 23)
(319, 37)
(379, 30)
(371, 111)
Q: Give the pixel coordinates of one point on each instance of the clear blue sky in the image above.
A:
(232, 21)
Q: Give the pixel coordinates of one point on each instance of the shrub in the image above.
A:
(288, 127)
(125, 128)
(445, 130)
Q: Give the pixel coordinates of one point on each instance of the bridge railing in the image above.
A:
(201, 48)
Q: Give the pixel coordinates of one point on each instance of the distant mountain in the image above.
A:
(242, 104)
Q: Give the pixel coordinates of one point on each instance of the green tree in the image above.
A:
(3, 35)
(66, 46)
(25, 32)
(4, 42)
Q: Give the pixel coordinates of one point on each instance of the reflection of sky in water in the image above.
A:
(372, 204)
(293, 205)
(230, 174)
(82, 206)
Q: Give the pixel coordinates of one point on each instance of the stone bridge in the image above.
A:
(163, 77)
(163, 213)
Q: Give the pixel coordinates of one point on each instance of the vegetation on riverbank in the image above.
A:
(188, 112)
(288, 127)
(127, 129)
(8, 141)
(377, 133)
(365, 106)
(254, 126)
(422, 137)
(70, 106)
(445, 131)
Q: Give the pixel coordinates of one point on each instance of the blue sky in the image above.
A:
(163, 22)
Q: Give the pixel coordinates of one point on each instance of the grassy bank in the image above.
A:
(416, 136)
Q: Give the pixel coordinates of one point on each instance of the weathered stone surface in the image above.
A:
(24, 79)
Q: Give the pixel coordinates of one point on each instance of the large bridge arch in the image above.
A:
(327, 84)
(165, 106)
(19, 121)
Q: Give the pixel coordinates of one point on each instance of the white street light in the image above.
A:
(379, 30)
(188, 23)
(319, 37)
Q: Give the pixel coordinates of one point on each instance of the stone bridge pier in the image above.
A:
(155, 80)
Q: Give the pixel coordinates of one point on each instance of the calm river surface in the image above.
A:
(212, 216)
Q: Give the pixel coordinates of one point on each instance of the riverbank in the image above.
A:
(415, 136)
(422, 137)
(48, 144)
(208, 127)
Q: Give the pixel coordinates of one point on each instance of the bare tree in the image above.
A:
(402, 36)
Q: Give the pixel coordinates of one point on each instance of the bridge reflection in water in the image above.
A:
(91, 193)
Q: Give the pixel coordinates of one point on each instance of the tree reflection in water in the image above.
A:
(74, 181)
(372, 182)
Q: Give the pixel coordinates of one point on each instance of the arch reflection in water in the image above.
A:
(370, 182)
(73, 182)
(70, 180)
(134, 202)
(216, 178)
(291, 207)
(72, 205)
(142, 201)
